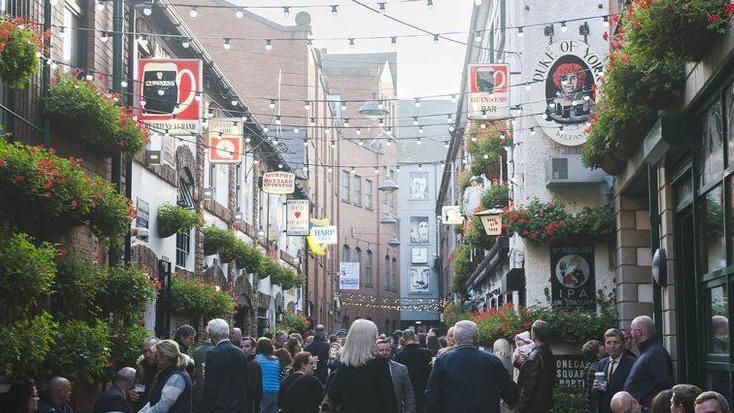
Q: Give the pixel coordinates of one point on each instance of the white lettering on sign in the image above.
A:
(325, 235)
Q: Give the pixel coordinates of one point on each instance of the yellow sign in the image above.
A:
(316, 247)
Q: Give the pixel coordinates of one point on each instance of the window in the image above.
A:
(345, 253)
(358, 260)
(212, 175)
(346, 189)
(368, 267)
(368, 194)
(183, 242)
(185, 199)
(395, 275)
(237, 186)
(711, 152)
(357, 190)
(387, 282)
(74, 41)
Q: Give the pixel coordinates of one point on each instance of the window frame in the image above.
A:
(346, 187)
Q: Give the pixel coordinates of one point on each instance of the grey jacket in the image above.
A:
(403, 388)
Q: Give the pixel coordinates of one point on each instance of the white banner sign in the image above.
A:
(489, 96)
(297, 219)
(279, 183)
(349, 275)
(451, 215)
(325, 235)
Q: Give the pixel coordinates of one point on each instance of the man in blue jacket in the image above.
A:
(467, 379)
(616, 369)
(653, 369)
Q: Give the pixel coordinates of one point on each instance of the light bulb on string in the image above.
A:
(346, 122)
(185, 43)
(429, 4)
(248, 139)
(312, 122)
(305, 142)
(148, 9)
(333, 144)
(327, 130)
(415, 120)
(450, 118)
(382, 7)
(309, 43)
(277, 120)
(343, 106)
(483, 126)
(446, 144)
(564, 27)
(435, 39)
(358, 131)
(420, 166)
(272, 104)
(351, 42)
(286, 12)
(143, 41)
(417, 102)
(101, 4)
(382, 122)
(334, 10)
(389, 142)
(268, 44)
(193, 12)
(520, 32)
(307, 105)
(393, 41)
(418, 141)
(420, 130)
(103, 37)
(377, 170)
(197, 97)
(478, 36)
(89, 76)
(454, 98)
(361, 142)
(380, 105)
(61, 32)
(528, 86)
(477, 3)
(397, 169)
(352, 170)
(451, 128)
(605, 21)
(532, 131)
(266, 129)
(296, 129)
(227, 45)
(329, 170)
(239, 13)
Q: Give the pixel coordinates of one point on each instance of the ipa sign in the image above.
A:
(325, 235)
(297, 219)
(349, 275)
(279, 183)
(489, 96)
(573, 284)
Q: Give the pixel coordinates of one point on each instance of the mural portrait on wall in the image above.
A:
(419, 230)
(418, 186)
(569, 90)
(420, 279)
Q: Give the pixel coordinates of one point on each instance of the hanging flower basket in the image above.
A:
(93, 115)
(20, 42)
(174, 219)
(549, 221)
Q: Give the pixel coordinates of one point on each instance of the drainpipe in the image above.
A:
(117, 61)
(652, 188)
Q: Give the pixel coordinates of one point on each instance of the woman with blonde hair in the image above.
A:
(503, 350)
(363, 383)
(171, 388)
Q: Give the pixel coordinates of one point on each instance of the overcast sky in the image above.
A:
(424, 68)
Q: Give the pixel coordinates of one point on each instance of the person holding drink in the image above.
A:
(612, 371)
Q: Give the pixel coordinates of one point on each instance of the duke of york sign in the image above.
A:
(565, 79)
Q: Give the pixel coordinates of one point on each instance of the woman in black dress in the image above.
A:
(301, 392)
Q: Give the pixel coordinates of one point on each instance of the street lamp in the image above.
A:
(491, 221)
(373, 109)
(388, 220)
(388, 185)
(394, 242)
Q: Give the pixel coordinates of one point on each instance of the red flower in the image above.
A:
(52, 151)
(713, 18)
(605, 36)
(2, 162)
(20, 178)
(638, 25)
(728, 9)
(62, 252)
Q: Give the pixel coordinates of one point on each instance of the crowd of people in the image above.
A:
(405, 372)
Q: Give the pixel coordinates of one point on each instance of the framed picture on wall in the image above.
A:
(419, 255)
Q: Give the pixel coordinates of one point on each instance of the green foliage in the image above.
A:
(101, 123)
(646, 68)
(271, 268)
(126, 341)
(125, 293)
(20, 41)
(219, 240)
(463, 266)
(27, 272)
(287, 278)
(25, 344)
(81, 351)
(486, 147)
(76, 285)
(568, 400)
(246, 256)
(549, 221)
(454, 312)
(497, 195)
(476, 236)
(174, 219)
(292, 323)
(199, 299)
(36, 181)
(464, 180)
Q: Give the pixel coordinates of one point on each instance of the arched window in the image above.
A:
(346, 257)
(368, 268)
(387, 283)
(358, 259)
(395, 275)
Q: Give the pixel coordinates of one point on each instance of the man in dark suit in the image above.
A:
(653, 369)
(320, 348)
(537, 375)
(400, 379)
(418, 361)
(467, 379)
(114, 399)
(616, 368)
(225, 373)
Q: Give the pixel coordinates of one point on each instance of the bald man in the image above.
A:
(653, 369)
(623, 402)
(57, 398)
(114, 399)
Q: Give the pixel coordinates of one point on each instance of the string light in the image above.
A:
(415, 120)
(346, 122)
(104, 37)
(351, 42)
(277, 120)
(147, 9)
(234, 102)
(454, 99)
(418, 141)
(193, 12)
(268, 44)
(446, 144)
(312, 122)
(520, 32)
(272, 104)
(143, 41)
(239, 13)
(286, 12)
(352, 170)
(185, 43)
(101, 4)
(382, 122)
(296, 129)
(394, 41)
(305, 142)
(333, 146)
(564, 27)
(334, 10)
(435, 39)
(477, 36)
(358, 131)
(450, 118)
(382, 7)
(227, 44)
(417, 102)
(429, 4)
(420, 166)
(377, 170)
(605, 21)
(532, 131)
(361, 142)
(420, 130)
(344, 106)
(307, 106)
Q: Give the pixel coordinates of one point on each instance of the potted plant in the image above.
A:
(174, 219)
(20, 42)
(246, 256)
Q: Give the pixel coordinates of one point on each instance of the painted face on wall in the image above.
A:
(423, 230)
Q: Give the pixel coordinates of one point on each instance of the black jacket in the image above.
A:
(113, 399)
(366, 389)
(255, 378)
(301, 394)
(225, 380)
(467, 379)
(418, 361)
(651, 373)
(536, 381)
(320, 348)
(616, 384)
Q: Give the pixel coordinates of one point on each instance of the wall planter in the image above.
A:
(199, 299)
(20, 42)
(94, 116)
(549, 221)
(174, 219)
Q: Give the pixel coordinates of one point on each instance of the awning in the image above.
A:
(490, 263)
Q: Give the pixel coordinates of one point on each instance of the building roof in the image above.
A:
(435, 133)
(357, 60)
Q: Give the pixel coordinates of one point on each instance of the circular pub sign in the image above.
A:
(564, 90)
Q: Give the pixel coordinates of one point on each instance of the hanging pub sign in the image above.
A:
(279, 183)
(489, 96)
(349, 275)
(573, 284)
(143, 214)
(167, 93)
(564, 83)
(451, 215)
(318, 246)
(327, 235)
(297, 217)
(225, 141)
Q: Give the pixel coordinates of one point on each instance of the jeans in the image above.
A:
(269, 403)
